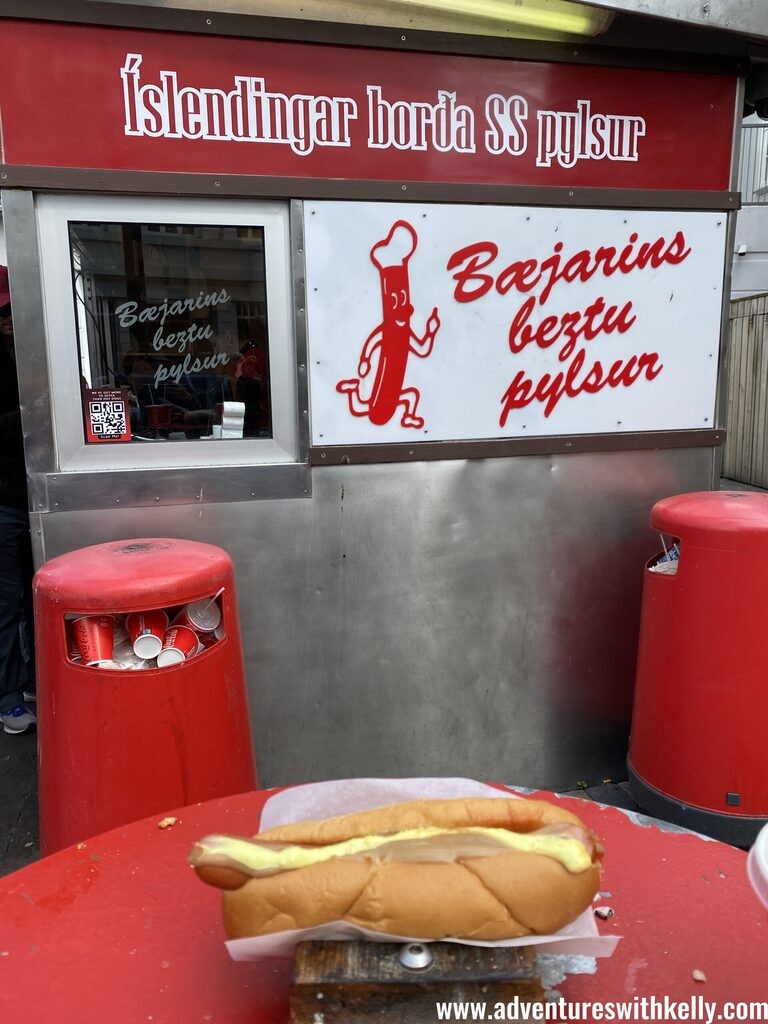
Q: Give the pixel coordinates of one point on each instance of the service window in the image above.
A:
(169, 328)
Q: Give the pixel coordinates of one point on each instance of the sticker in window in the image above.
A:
(107, 415)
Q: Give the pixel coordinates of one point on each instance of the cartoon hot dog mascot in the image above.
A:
(483, 868)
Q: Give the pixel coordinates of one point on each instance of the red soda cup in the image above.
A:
(94, 635)
(180, 644)
(146, 631)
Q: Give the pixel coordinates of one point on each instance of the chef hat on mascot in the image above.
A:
(397, 248)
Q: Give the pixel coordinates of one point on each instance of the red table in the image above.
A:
(120, 930)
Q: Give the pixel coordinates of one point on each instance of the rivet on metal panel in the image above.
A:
(217, 184)
(345, 459)
(322, 455)
(570, 193)
(569, 444)
(208, 21)
(403, 38)
(157, 498)
(405, 188)
(3, 175)
(410, 452)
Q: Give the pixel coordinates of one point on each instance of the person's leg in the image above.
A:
(27, 628)
(14, 583)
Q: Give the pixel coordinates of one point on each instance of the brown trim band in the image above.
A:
(432, 451)
(126, 15)
(73, 179)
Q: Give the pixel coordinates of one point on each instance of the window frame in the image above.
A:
(72, 453)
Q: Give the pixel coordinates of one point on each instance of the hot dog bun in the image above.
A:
(484, 892)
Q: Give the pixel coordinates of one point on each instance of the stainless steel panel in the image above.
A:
(299, 278)
(733, 15)
(29, 329)
(723, 358)
(449, 618)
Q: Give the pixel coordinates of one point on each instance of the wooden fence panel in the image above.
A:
(745, 455)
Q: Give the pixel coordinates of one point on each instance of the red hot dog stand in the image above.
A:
(417, 325)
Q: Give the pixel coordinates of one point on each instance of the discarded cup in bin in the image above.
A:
(146, 631)
(757, 865)
(73, 651)
(94, 635)
(180, 644)
(201, 616)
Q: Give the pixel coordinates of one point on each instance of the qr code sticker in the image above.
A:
(107, 418)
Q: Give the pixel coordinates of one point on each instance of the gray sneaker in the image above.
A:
(18, 719)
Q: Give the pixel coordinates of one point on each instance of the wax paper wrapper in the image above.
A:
(328, 799)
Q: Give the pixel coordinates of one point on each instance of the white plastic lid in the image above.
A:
(204, 615)
(169, 656)
(757, 865)
(147, 646)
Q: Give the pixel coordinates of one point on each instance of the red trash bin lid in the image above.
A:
(703, 515)
(134, 574)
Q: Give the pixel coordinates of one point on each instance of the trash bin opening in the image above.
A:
(667, 561)
(148, 639)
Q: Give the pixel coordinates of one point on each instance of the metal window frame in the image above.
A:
(55, 486)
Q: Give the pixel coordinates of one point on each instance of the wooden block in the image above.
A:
(360, 982)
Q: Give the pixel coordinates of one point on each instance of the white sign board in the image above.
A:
(438, 323)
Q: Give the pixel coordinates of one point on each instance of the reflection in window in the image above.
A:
(177, 314)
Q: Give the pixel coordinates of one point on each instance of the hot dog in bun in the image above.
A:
(481, 868)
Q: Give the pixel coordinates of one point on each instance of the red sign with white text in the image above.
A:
(107, 98)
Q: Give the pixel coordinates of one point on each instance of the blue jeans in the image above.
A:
(17, 672)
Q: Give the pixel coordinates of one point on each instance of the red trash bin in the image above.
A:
(697, 747)
(114, 744)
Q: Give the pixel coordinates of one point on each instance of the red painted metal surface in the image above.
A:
(114, 746)
(119, 928)
(701, 699)
(64, 104)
